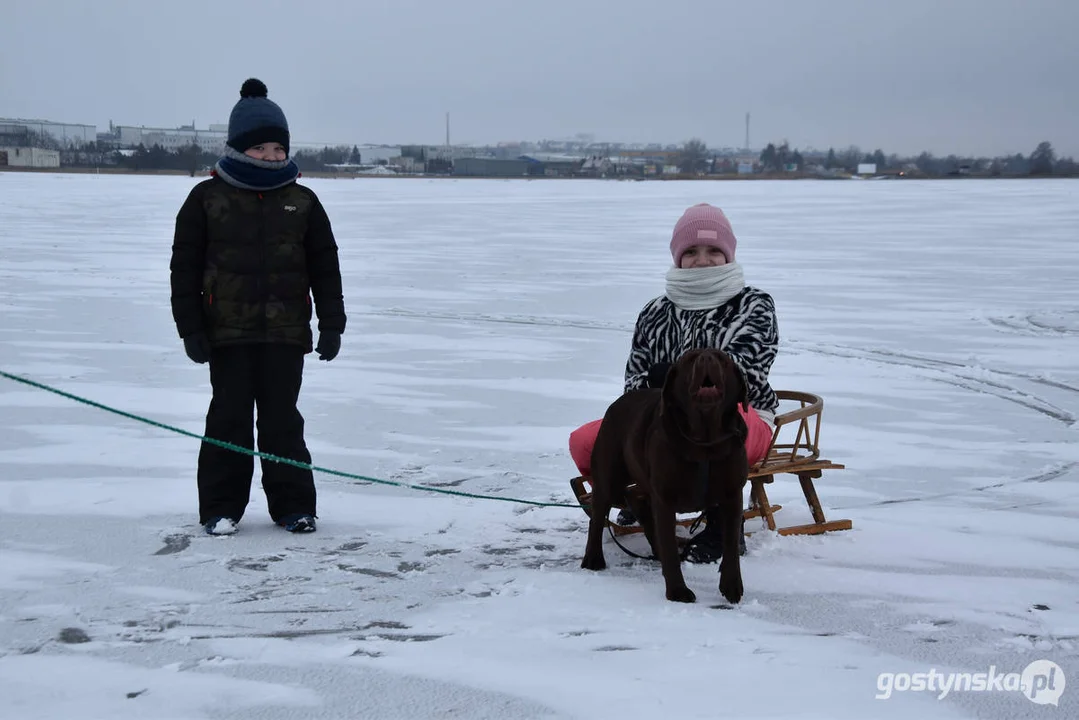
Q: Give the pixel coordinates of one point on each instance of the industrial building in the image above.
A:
(555, 165)
(67, 135)
(29, 157)
(171, 139)
(495, 167)
(532, 165)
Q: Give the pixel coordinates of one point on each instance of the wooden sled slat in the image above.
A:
(584, 497)
(815, 528)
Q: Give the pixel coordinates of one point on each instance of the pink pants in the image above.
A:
(758, 439)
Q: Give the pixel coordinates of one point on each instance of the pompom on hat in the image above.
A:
(703, 224)
(256, 119)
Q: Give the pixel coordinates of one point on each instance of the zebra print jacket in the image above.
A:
(744, 327)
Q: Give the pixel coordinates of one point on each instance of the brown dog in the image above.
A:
(677, 450)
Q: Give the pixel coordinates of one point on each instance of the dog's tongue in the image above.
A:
(708, 392)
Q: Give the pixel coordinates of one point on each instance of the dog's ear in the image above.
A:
(741, 430)
(743, 387)
(737, 423)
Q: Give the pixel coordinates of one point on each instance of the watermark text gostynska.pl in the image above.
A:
(1042, 682)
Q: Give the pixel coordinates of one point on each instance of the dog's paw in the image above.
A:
(730, 586)
(682, 594)
(593, 562)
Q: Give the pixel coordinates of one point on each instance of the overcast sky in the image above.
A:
(964, 76)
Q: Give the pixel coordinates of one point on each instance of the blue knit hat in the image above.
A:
(256, 119)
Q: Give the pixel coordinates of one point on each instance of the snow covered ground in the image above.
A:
(939, 320)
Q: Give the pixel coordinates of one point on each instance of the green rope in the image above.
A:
(268, 456)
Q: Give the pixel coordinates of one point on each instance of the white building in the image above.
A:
(172, 139)
(29, 157)
(374, 154)
(67, 134)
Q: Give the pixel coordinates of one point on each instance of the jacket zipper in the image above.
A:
(262, 278)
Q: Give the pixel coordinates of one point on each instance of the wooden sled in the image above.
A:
(800, 457)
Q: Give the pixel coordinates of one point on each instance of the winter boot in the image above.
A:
(220, 526)
(298, 523)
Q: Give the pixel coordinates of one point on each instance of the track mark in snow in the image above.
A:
(1003, 391)
(956, 378)
(175, 543)
(487, 549)
(1038, 324)
(1044, 476)
(255, 564)
(533, 320)
(350, 547)
(372, 572)
(403, 637)
(73, 636)
(441, 551)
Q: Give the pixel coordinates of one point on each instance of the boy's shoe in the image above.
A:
(220, 526)
(298, 523)
(626, 517)
(707, 547)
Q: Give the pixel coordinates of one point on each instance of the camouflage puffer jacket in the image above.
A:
(245, 265)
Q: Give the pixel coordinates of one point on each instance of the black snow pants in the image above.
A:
(243, 377)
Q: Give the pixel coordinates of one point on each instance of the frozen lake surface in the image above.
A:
(487, 319)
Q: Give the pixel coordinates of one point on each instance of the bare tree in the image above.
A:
(694, 157)
(769, 157)
(1042, 159)
(849, 158)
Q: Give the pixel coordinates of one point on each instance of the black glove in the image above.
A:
(197, 347)
(329, 344)
(657, 374)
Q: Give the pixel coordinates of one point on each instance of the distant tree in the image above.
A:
(192, 153)
(1042, 159)
(769, 157)
(140, 158)
(850, 158)
(354, 158)
(927, 163)
(157, 158)
(44, 141)
(798, 160)
(1015, 165)
(879, 159)
(783, 156)
(831, 161)
(1066, 167)
(693, 158)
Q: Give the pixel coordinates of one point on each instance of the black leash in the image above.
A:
(685, 548)
(700, 492)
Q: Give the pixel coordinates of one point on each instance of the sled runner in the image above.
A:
(799, 457)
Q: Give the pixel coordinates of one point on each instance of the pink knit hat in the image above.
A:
(703, 224)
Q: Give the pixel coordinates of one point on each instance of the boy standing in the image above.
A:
(250, 250)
